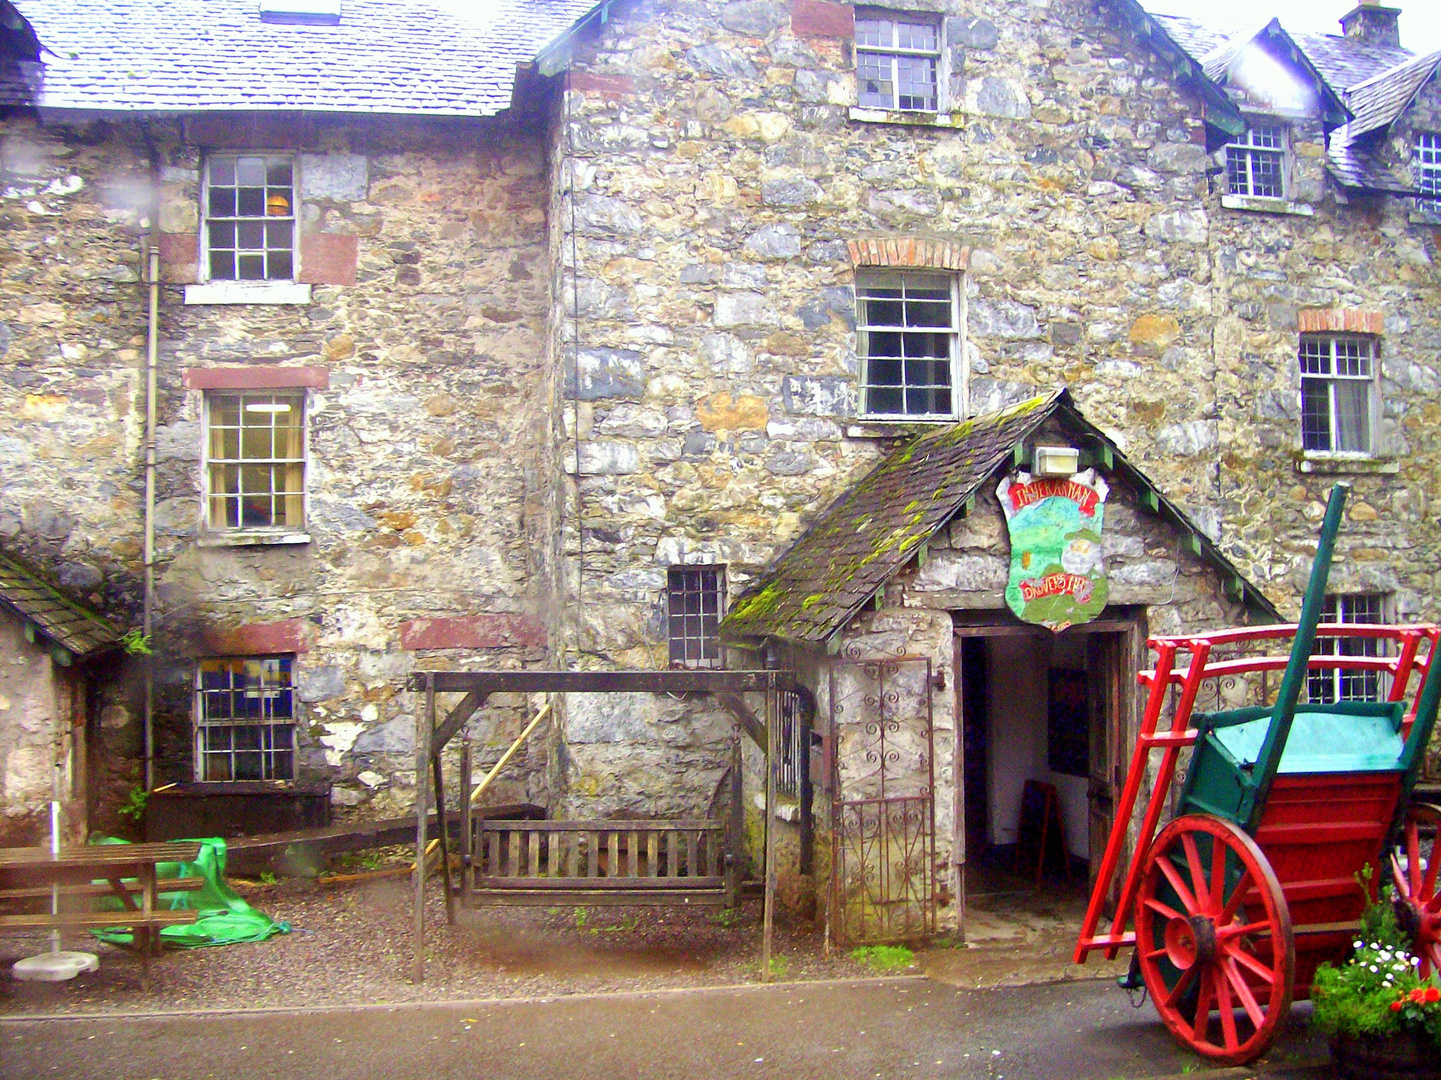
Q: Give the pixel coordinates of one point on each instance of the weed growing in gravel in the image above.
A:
(884, 957)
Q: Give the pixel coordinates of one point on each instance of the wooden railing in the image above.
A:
(605, 862)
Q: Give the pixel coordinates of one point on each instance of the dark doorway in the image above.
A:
(1043, 717)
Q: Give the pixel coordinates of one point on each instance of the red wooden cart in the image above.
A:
(1261, 873)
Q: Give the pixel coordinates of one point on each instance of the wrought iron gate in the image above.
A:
(883, 822)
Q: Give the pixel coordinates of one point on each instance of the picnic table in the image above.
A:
(30, 877)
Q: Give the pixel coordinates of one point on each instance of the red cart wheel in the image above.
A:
(1418, 906)
(1213, 936)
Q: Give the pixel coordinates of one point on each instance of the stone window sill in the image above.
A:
(906, 117)
(1324, 464)
(1267, 206)
(251, 538)
(893, 429)
(248, 292)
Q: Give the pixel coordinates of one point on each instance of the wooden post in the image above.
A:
(424, 722)
(444, 827)
(770, 839)
(736, 830)
(467, 841)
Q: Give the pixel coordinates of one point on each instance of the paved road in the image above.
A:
(905, 1028)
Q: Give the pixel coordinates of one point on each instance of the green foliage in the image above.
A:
(780, 967)
(133, 808)
(267, 878)
(582, 916)
(135, 643)
(1378, 991)
(884, 957)
(727, 917)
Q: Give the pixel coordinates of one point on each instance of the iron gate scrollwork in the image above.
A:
(883, 827)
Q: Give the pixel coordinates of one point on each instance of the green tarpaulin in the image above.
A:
(224, 918)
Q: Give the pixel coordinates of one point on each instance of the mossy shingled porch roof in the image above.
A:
(872, 531)
(77, 629)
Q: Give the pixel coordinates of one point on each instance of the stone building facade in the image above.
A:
(570, 357)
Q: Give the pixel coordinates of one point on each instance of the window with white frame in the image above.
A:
(695, 601)
(898, 61)
(1338, 376)
(245, 718)
(908, 343)
(255, 460)
(1256, 162)
(1331, 685)
(249, 209)
(1428, 172)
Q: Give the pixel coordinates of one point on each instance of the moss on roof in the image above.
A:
(62, 620)
(867, 535)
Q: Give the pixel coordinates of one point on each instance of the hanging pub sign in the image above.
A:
(1058, 577)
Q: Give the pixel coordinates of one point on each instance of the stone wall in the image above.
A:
(424, 344)
(35, 710)
(718, 181)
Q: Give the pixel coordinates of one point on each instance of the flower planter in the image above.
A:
(1406, 1056)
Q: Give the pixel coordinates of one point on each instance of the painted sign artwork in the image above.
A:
(1058, 578)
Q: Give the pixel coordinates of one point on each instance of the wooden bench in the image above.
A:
(604, 862)
(126, 872)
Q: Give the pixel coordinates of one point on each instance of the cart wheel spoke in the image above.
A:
(1251, 964)
(1413, 861)
(1202, 1023)
(1199, 885)
(1164, 910)
(1228, 1013)
(1235, 930)
(1245, 885)
(1182, 985)
(1173, 876)
(1243, 992)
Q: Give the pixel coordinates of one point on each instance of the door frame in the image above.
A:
(1130, 623)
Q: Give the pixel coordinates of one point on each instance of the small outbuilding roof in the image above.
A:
(872, 531)
(420, 57)
(77, 629)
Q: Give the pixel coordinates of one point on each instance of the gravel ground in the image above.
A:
(350, 943)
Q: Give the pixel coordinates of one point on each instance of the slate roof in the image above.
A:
(870, 532)
(1376, 83)
(419, 57)
(80, 630)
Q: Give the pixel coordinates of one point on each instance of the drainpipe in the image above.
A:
(152, 336)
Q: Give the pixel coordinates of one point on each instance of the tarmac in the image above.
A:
(862, 1030)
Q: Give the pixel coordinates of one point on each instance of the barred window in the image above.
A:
(1337, 380)
(245, 719)
(249, 210)
(1334, 685)
(695, 599)
(897, 61)
(1256, 163)
(255, 460)
(907, 341)
(1428, 172)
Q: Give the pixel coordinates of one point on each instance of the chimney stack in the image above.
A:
(1373, 24)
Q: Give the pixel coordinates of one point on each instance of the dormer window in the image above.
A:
(1428, 172)
(1256, 162)
(305, 12)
